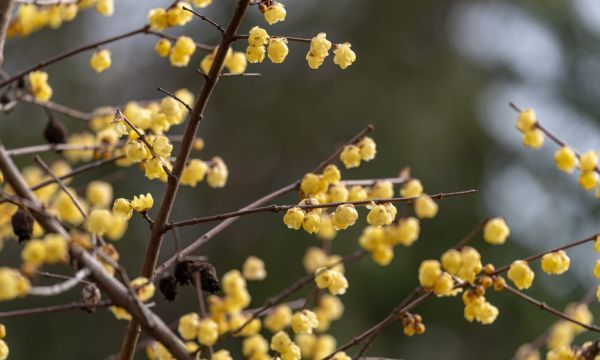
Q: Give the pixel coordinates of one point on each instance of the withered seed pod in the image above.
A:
(167, 285)
(183, 272)
(55, 132)
(208, 277)
(90, 295)
(22, 224)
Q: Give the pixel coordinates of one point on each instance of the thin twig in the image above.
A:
(464, 241)
(544, 307)
(60, 288)
(59, 108)
(202, 306)
(277, 208)
(52, 309)
(176, 98)
(217, 26)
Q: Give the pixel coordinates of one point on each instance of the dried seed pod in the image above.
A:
(208, 277)
(22, 223)
(183, 272)
(167, 285)
(90, 295)
(55, 132)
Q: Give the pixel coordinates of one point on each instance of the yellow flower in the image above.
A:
(451, 261)
(382, 190)
(368, 148)
(470, 264)
(12, 284)
(589, 161)
(222, 355)
(343, 55)
(429, 272)
(405, 233)
(254, 345)
(120, 313)
(311, 222)
(188, 326)
(565, 159)
(142, 203)
(208, 332)
(357, 193)
(444, 285)
(217, 173)
(332, 174)
(304, 321)
(274, 13)
(313, 184)
(162, 147)
(520, 274)
(563, 353)
(555, 263)
(425, 207)
(143, 288)
(136, 151)
(314, 62)
(495, 231)
(105, 7)
(333, 280)
(533, 138)
(277, 50)
(350, 156)
(412, 188)
(580, 312)
(319, 45)
(57, 249)
(177, 16)
(378, 216)
(100, 60)
(255, 54)
(588, 179)
(236, 63)
(202, 3)
(38, 80)
(279, 319)
(99, 193)
(254, 269)
(153, 169)
(163, 47)
(99, 221)
(3, 350)
(526, 120)
(193, 172)
(34, 252)
(258, 36)
(597, 244)
(344, 216)
(157, 18)
(122, 207)
(293, 218)
(66, 209)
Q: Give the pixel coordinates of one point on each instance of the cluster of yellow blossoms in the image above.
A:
(176, 15)
(364, 150)
(38, 84)
(277, 49)
(566, 159)
(31, 17)
(100, 60)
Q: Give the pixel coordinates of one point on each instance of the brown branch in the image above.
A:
(544, 307)
(34, 149)
(277, 208)
(65, 55)
(202, 306)
(59, 108)
(52, 309)
(183, 154)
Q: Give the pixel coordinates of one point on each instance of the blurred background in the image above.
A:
(434, 77)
